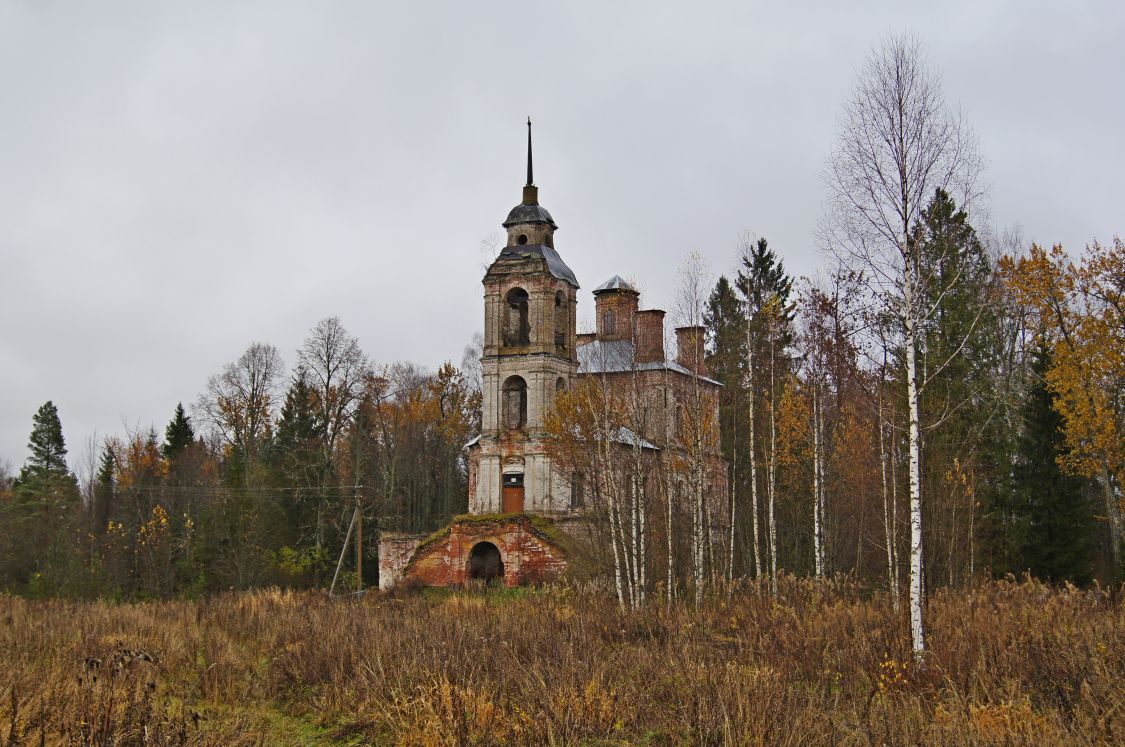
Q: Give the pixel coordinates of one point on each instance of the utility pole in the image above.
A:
(343, 552)
(358, 540)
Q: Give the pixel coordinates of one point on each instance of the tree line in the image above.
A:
(257, 486)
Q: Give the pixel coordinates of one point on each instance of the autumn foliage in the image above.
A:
(1009, 663)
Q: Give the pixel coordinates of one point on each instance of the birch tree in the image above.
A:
(695, 426)
(337, 371)
(238, 404)
(589, 425)
(897, 142)
(765, 287)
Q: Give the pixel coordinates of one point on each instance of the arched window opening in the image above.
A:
(517, 330)
(560, 386)
(562, 317)
(609, 322)
(577, 490)
(485, 562)
(515, 403)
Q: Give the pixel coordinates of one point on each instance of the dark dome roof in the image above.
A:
(529, 213)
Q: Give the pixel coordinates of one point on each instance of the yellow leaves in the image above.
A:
(962, 476)
(794, 414)
(1080, 309)
(154, 531)
(893, 675)
(138, 461)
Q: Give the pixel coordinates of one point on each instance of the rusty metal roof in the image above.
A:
(619, 356)
(555, 264)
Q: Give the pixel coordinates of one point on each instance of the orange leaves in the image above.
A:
(794, 413)
(1080, 308)
(138, 460)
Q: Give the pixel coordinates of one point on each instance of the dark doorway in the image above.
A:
(512, 498)
(485, 562)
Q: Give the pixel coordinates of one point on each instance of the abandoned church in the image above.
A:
(526, 511)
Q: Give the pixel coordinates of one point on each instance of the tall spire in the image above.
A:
(530, 178)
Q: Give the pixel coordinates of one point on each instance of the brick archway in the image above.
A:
(485, 563)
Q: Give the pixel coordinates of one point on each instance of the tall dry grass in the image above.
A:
(1010, 663)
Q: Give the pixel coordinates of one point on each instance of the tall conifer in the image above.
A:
(178, 435)
(48, 448)
(1056, 509)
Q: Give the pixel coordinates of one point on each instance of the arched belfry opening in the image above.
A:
(517, 328)
(562, 318)
(485, 562)
(515, 403)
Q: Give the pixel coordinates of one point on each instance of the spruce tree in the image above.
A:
(104, 483)
(725, 321)
(1057, 514)
(763, 276)
(296, 460)
(967, 453)
(48, 448)
(294, 453)
(178, 435)
(766, 289)
(44, 513)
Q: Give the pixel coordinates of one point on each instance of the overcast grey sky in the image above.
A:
(179, 179)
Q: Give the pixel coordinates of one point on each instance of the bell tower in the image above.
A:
(530, 298)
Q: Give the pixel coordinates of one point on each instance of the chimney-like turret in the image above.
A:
(650, 336)
(615, 303)
(689, 349)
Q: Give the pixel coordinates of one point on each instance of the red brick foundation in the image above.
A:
(529, 555)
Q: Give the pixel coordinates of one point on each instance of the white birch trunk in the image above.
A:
(772, 474)
(817, 550)
(668, 492)
(917, 632)
(638, 538)
(1113, 511)
(733, 505)
(697, 490)
(618, 564)
(888, 526)
(822, 497)
(894, 456)
(609, 481)
(753, 454)
(642, 573)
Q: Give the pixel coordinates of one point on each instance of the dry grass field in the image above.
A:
(1010, 663)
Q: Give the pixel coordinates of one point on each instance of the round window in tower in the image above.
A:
(521, 239)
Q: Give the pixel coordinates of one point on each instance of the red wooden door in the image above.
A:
(512, 494)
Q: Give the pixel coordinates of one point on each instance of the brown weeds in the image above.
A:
(1010, 663)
